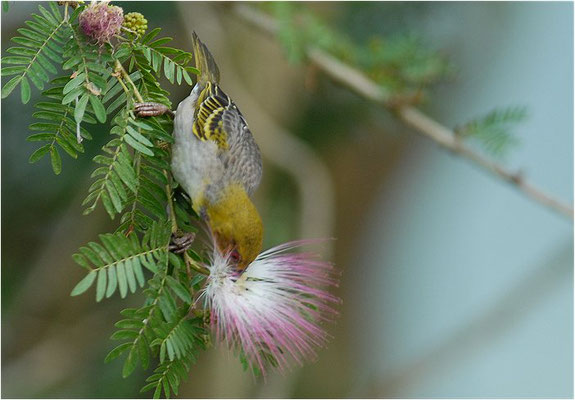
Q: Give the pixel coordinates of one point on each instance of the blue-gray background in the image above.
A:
(454, 284)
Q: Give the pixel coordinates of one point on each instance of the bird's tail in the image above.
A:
(204, 61)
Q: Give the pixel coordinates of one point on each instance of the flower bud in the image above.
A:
(136, 22)
(101, 21)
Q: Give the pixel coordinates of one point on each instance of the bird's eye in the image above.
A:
(235, 256)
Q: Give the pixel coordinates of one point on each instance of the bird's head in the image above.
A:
(237, 226)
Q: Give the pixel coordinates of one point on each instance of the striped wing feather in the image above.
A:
(218, 119)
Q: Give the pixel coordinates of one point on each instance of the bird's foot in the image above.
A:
(152, 110)
(181, 243)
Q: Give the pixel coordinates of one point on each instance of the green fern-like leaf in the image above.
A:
(57, 127)
(135, 328)
(174, 62)
(141, 325)
(91, 73)
(148, 201)
(178, 338)
(161, 324)
(149, 86)
(168, 376)
(117, 177)
(181, 339)
(494, 131)
(118, 261)
(41, 45)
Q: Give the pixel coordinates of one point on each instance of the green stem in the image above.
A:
(193, 265)
(119, 68)
(126, 90)
(189, 261)
(170, 203)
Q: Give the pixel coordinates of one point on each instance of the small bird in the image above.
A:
(216, 161)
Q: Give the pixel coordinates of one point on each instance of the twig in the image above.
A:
(170, 203)
(119, 69)
(445, 137)
(190, 262)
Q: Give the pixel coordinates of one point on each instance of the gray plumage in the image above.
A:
(242, 161)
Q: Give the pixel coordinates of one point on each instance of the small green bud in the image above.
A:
(136, 22)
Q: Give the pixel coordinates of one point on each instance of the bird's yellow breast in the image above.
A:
(236, 223)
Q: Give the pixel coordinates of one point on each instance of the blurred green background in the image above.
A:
(454, 284)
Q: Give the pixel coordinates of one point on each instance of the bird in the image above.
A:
(216, 160)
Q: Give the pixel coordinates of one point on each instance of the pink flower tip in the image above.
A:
(101, 21)
(272, 313)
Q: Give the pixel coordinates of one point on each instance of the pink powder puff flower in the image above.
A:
(101, 21)
(272, 311)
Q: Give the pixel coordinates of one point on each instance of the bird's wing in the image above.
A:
(218, 119)
(211, 105)
(242, 160)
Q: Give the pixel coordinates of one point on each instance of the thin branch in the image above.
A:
(119, 70)
(195, 266)
(356, 81)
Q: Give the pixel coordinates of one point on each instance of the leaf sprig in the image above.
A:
(494, 131)
(57, 127)
(118, 260)
(41, 45)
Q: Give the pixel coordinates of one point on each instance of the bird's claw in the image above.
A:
(180, 244)
(151, 109)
